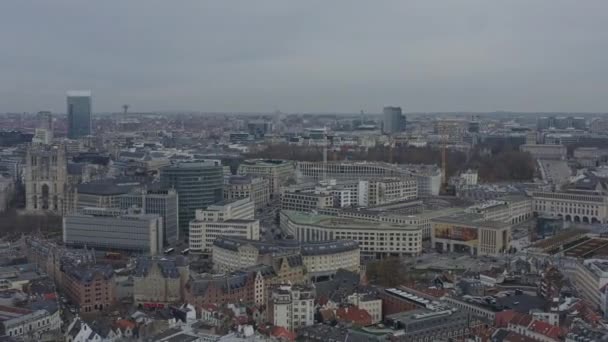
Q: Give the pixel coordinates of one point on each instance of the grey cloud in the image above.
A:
(314, 56)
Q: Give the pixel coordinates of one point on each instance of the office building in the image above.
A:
(511, 209)
(306, 200)
(278, 172)
(590, 278)
(451, 131)
(114, 229)
(321, 258)
(159, 200)
(428, 325)
(79, 113)
(345, 170)
(572, 206)
(538, 151)
(292, 307)
(393, 120)
(470, 233)
(234, 219)
(105, 193)
(370, 303)
(427, 177)
(375, 239)
(256, 188)
(198, 185)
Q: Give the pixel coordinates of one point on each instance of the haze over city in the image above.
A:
(314, 171)
(312, 56)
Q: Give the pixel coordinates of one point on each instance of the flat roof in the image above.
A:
(346, 222)
(560, 238)
(78, 93)
(587, 248)
(472, 219)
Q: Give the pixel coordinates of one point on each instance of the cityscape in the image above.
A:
(385, 222)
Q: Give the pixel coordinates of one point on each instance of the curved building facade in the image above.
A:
(375, 239)
(322, 258)
(198, 185)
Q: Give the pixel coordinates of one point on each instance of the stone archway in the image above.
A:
(577, 218)
(585, 219)
(594, 220)
(568, 218)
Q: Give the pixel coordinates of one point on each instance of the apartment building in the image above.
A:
(292, 307)
(371, 304)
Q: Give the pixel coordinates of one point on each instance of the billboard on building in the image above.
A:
(457, 233)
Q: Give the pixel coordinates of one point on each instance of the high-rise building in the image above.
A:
(394, 120)
(79, 113)
(198, 185)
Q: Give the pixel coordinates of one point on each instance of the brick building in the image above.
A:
(89, 287)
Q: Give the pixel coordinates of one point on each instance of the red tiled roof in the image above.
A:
(546, 329)
(515, 337)
(354, 315)
(504, 317)
(124, 324)
(283, 333)
(520, 319)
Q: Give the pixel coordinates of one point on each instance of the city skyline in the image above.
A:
(314, 57)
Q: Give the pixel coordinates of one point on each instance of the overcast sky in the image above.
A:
(305, 56)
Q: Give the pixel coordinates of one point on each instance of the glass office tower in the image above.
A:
(198, 185)
(79, 113)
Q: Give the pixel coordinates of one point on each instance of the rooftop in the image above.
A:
(333, 222)
(471, 219)
(78, 93)
(306, 248)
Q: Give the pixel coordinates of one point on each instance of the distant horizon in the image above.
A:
(306, 57)
(193, 112)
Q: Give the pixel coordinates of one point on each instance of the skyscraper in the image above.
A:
(198, 185)
(393, 120)
(79, 113)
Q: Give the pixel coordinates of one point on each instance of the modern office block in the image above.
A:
(79, 113)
